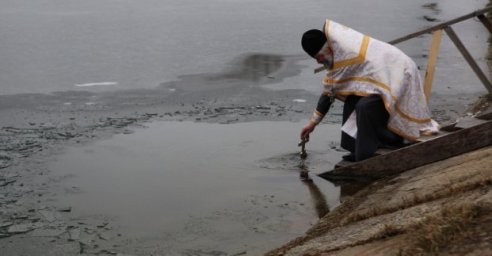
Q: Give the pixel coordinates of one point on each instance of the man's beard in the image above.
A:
(328, 63)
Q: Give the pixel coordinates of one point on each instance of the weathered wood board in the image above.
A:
(415, 155)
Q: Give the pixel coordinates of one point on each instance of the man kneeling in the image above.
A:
(384, 101)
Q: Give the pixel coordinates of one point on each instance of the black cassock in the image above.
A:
(372, 131)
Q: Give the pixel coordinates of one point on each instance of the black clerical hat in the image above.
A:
(312, 41)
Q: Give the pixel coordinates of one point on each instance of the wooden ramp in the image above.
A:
(468, 134)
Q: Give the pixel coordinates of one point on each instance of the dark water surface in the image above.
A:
(228, 187)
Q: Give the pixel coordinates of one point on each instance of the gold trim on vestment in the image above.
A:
(357, 60)
(328, 81)
(413, 119)
(392, 106)
(386, 105)
(402, 134)
(316, 112)
(353, 61)
(327, 28)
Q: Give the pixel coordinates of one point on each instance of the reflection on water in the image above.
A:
(179, 179)
(319, 200)
(317, 197)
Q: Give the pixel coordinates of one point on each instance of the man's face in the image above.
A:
(325, 56)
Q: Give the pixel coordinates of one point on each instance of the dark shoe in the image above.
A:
(350, 157)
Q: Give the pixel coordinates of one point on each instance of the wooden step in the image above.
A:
(433, 136)
(441, 146)
(343, 163)
(382, 151)
(468, 122)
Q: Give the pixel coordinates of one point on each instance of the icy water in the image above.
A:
(196, 186)
(54, 45)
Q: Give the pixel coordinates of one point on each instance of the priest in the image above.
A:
(384, 100)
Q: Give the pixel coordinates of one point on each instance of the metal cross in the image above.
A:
(302, 144)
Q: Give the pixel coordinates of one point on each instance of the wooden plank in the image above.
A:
(486, 22)
(486, 115)
(424, 138)
(431, 63)
(468, 122)
(469, 58)
(416, 155)
(380, 151)
(440, 25)
(343, 163)
(383, 151)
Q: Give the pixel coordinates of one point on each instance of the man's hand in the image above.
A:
(307, 130)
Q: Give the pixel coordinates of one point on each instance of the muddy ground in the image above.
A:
(37, 127)
(438, 209)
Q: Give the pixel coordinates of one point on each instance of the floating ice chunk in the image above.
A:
(299, 100)
(96, 84)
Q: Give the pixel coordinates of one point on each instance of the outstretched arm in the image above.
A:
(322, 108)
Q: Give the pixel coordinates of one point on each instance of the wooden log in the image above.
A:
(415, 155)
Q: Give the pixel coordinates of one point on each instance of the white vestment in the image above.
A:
(365, 66)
